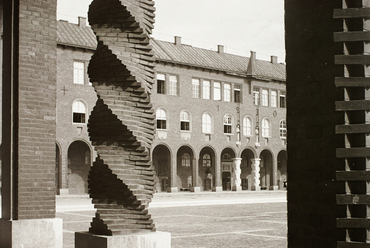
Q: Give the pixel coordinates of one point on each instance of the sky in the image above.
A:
(240, 26)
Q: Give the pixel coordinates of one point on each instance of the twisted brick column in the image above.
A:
(121, 125)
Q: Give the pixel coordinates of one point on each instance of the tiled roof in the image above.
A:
(82, 36)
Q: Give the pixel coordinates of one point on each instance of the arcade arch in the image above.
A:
(227, 157)
(266, 174)
(185, 160)
(246, 168)
(162, 164)
(207, 162)
(282, 169)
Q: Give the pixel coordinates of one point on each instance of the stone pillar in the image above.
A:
(218, 182)
(64, 171)
(195, 167)
(256, 174)
(173, 184)
(274, 185)
(236, 175)
(28, 125)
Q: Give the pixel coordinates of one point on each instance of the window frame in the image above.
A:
(282, 129)
(228, 125)
(218, 91)
(237, 96)
(265, 98)
(186, 160)
(273, 98)
(183, 120)
(227, 92)
(256, 96)
(160, 119)
(266, 130)
(173, 85)
(162, 83)
(195, 82)
(81, 113)
(206, 90)
(207, 162)
(282, 103)
(246, 127)
(79, 73)
(207, 127)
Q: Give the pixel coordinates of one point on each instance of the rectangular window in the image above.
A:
(173, 85)
(206, 90)
(216, 91)
(227, 92)
(265, 97)
(282, 100)
(79, 118)
(161, 124)
(78, 73)
(196, 85)
(273, 99)
(237, 93)
(185, 126)
(161, 82)
(256, 96)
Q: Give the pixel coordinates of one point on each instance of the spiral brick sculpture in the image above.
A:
(121, 125)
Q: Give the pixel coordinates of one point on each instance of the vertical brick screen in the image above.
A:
(35, 79)
(311, 120)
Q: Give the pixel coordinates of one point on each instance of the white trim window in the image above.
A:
(282, 100)
(282, 129)
(256, 96)
(247, 126)
(227, 92)
(161, 117)
(273, 98)
(237, 93)
(185, 159)
(265, 127)
(78, 72)
(265, 97)
(79, 111)
(228, 124)
(196, 87)
(184, 121)
(206, 160)
(207, 123)
(172, 85)
(206, 89)
(161, 83)
(217, 91)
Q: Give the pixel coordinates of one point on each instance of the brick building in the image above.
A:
(220, 117)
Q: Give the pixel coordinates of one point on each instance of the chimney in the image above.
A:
(81, 21)
(253, 55)
(177, 41)
(220, 49)
(274, 59)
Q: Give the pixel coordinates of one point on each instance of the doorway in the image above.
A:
(226, 180)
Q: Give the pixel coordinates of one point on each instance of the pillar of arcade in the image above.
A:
(256, 174)
(28, 125)
(235, 174)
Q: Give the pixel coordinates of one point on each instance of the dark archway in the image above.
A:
(227, 157)
(79, 163)
(266, 176)
(185, 157)
(282, 176)
(162, 164)
(207, 168)
(246, 168)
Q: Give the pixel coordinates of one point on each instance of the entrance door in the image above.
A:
(226, 180)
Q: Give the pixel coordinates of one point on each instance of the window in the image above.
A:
(256, 96)
(216, 91)
(78, 73)
(185, 160)
(161, 82)
(265, 97)
(173, 85)
(206, 90)
(265, 127)
(273, 99)
(79, 112)
(247, 126)
(196, 85)
(282, 129)
(206, 123)
(227, 124)
(161, 119)
(282, 100)
(237, 93)
(227, 92)
(207, 160)
(184, 121)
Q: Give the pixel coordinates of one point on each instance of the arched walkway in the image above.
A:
(227, 157)
(185, 157)
(246, 168)
(282, 169)
(206, 168)
(162, 165)
(266, 175)
(79, 163)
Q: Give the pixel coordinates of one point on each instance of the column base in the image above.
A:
(195, 189)
(63, 191)
(31, 233)
(172, 189)
(255, 188)
(273, 187)
(217, 189)
(236, 188)
(131, 240)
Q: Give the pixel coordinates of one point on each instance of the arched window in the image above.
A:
(227, 123)
(185, 160)
(282, 129)
(161, 116)
(265, 127)
(79, 112)
(247, 126)
(184, 121)
(207, 123)
(207, 160)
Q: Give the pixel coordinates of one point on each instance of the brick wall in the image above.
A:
(311, 117)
